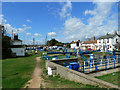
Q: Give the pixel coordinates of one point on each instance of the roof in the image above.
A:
(16, 40)
(117, 45)
(108, 36)
(90, 42)
(73, 42)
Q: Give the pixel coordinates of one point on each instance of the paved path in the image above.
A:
(104, 72)
(36, 80)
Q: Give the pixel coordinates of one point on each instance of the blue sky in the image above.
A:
(64, 21)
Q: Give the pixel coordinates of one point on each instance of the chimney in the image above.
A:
(89, 39)
(115, 33)
(107, 33)
(94, 38)
(15, 37)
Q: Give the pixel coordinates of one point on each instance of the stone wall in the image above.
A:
(78, 76)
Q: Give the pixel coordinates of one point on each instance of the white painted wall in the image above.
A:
(74, 45)
(16, 43)
(110, 44)
(18, 51)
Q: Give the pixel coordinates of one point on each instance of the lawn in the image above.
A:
(111, 78)
(17, 71)
(58, 82)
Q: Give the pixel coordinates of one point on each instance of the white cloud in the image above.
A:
(99, 24)
(28, 20)
(28, 33)
(24, 25)
(38, 35)
(10, 29)
(52, 34)
(66, 9)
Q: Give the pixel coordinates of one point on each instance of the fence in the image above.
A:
(47, 57)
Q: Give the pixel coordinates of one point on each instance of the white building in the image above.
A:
(16, 46)
(76, 44)
(108, 42)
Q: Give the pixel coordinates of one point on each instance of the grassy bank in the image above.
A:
(111, 78)
(17, 71)
(58, 82)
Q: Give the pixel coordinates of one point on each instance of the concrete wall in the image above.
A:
(77, 76)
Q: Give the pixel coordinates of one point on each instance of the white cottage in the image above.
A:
(16, 46)
(108, 42)
(76, 44)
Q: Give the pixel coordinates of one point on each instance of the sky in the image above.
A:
(64, 21)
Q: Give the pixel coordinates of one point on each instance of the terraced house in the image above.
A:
(108, 42)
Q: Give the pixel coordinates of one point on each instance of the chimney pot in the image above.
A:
(94, 38)
(15, 37)
(89, 39)
(115, 33)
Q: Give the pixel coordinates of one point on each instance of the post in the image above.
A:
(93, 63)
(108, 62)
(101, 63)
(106, 65)
(96, 66)
(83, 66)
(48, 57)
(66, 56)
(114, 62)
(41, 54)
(90, 65)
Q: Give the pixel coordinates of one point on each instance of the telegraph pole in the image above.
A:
(46, 40)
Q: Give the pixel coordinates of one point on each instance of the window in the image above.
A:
(108, 41)
(110, 46)
(77, 43)
(116, 40)
(107, 46)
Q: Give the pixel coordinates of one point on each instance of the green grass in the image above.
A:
(111, 78)
(17, 71)
(57, 82)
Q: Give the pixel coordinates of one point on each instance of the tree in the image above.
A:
(52, 42)
(6, 51)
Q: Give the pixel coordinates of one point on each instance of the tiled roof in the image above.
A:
(90, 42)
(108, 36)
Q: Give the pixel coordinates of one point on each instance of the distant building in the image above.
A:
(90, 44)
(16, 46)
(76, 44)
(108, 42)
